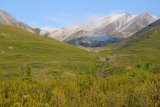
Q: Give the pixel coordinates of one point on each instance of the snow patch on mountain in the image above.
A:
(113, 26)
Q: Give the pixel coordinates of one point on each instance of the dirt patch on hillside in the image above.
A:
(108, 58)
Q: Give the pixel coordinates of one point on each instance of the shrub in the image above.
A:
(28, 74)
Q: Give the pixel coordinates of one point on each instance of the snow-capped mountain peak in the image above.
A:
(114, 26)
(104, 30)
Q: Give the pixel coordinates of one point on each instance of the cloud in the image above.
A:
(48, 29)
(54, 19)
(65, 19)
(60, 19)
(93, 16)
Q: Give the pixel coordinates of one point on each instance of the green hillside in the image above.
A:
(37, 71)
(137, 50)
(19, 49)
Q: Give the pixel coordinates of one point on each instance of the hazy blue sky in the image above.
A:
(57, 13)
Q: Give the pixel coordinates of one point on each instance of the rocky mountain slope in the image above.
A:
(99, 32)
(105, 30)
(7, 19)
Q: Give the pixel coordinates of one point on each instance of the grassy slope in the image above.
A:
(54, 79)
(19, 49)
(138, 49)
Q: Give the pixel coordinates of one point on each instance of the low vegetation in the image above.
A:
(37, 71)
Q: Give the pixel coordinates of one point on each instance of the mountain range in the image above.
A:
(95, 33)
(102, 31)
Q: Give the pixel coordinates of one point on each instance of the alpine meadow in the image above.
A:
(111, 61)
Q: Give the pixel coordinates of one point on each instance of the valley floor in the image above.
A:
(38, 71)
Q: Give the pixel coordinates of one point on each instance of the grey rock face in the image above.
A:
(7, 19)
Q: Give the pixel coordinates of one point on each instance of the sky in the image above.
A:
(59, 13)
